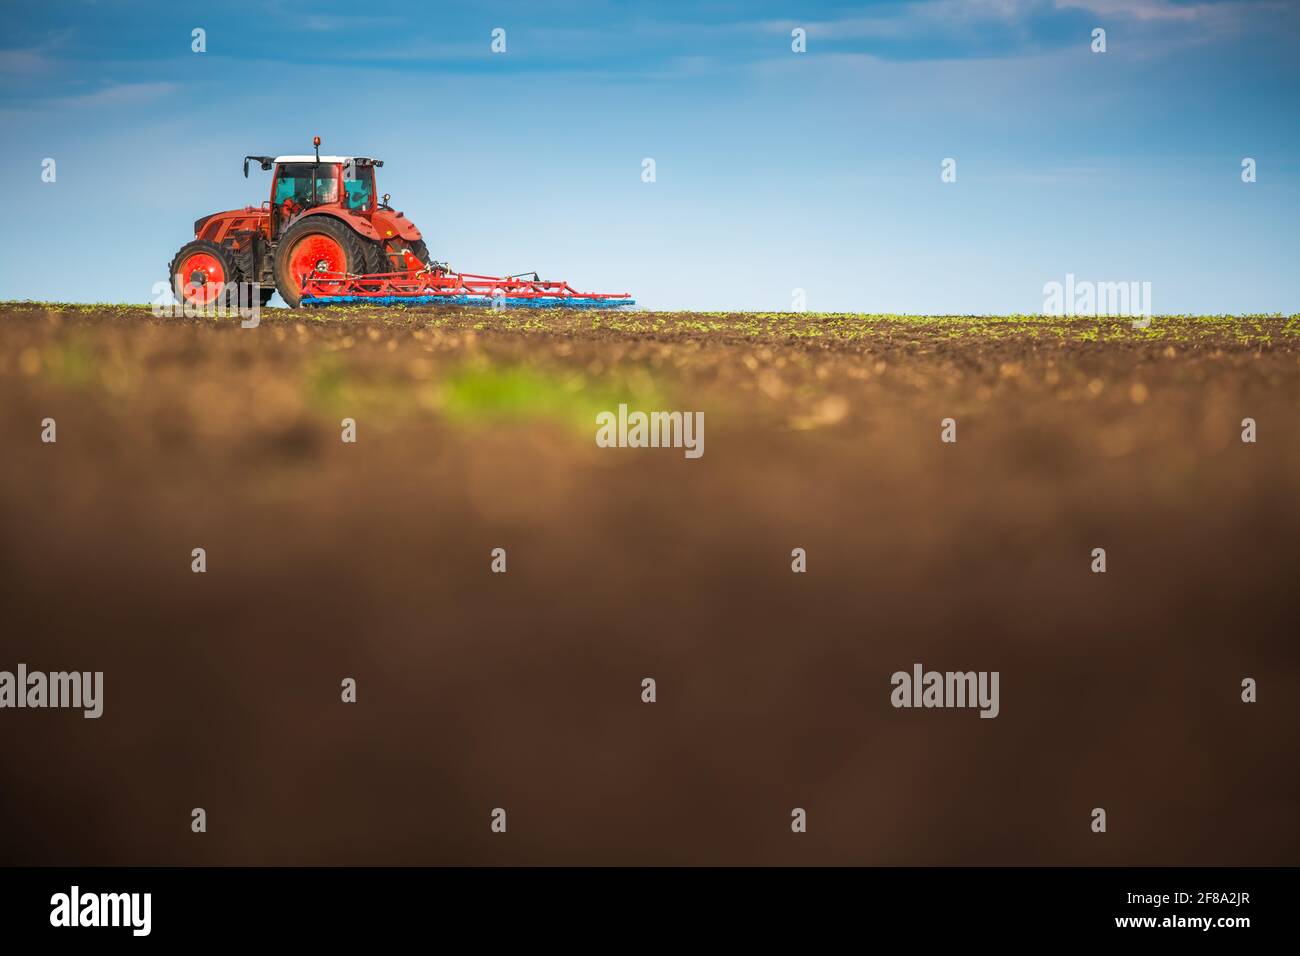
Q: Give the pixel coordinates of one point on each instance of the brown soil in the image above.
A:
(522, 690)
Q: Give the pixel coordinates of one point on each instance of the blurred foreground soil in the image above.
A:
(522, 690)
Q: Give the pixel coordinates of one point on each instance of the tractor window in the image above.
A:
(294, 181)
(359, 183)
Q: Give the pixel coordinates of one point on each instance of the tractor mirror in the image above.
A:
(245, 168)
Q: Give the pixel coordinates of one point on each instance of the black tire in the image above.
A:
(266, 295)
(231, 276)
(353, 246)
(376, 261)
(420, 251)
(391, 258)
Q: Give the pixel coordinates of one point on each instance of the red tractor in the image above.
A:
(323, 217)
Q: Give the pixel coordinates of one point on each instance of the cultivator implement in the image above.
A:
(437, 285)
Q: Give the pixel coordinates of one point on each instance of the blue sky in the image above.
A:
(775, 170)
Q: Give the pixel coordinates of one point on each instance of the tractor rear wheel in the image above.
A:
(316, 243)
(420, 251)
(395, 255)
(376, 261)
(206, 274)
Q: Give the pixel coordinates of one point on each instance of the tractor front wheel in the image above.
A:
(205, 273)
(316, 244)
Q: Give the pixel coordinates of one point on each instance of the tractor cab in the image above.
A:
(348, 180)
(299, 181)
(309, 181)
(303, 182)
